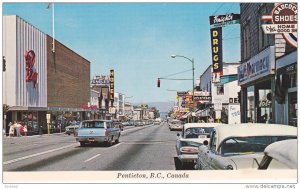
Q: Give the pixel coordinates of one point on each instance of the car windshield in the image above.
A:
(248, 145)
(196, 132)
(93, 124)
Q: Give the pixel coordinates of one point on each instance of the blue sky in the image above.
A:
(137, 40)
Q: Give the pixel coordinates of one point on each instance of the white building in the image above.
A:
(223, 95)
(119, 105)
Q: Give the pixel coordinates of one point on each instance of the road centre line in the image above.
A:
(37, 154)
(92, 158)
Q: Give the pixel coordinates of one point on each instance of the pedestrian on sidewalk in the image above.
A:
(25, 130)
(18, 128)
(11, 130)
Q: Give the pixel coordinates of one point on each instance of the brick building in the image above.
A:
(44, 90)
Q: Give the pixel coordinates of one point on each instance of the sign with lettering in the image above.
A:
(284, 21)
(216, 48)
(224, 20)
(182, 93)
(202, 98)
(112, 85)
(100, 80)
(259, 66)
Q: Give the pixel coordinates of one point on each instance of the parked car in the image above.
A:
(97, 131)
(175, 125)
(236, 146)
(191, 137)
(280, 155)
(71, 128)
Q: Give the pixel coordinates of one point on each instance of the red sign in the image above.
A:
(31, 75)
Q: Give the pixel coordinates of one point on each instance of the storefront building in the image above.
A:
(256, 78)
(286, 89)
(44, 90)
(268, 71)
(223, 96)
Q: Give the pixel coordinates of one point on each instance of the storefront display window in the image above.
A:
(293, 107)
(30, 119)
(250, 104)
(264, 109)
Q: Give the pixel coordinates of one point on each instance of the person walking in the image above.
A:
(18, 128)
(11, 130)
(25, 130)
(211, 120)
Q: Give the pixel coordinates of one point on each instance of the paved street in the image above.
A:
(149, 147)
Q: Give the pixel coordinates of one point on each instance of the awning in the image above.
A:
(203, 113)
(186, 115)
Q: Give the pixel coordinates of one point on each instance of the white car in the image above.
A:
(280, 155)
(191, 137)
(238, 146)
(175, 125)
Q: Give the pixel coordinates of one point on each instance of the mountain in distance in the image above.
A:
(161, 106)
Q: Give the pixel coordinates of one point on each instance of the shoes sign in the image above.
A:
(284, 21)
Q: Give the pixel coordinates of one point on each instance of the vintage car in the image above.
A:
(72, 128)
(240, 146)
(175, 125)
(191, 137)
(280, 155)
(97, 131)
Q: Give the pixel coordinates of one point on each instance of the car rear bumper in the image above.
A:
(187, 158)
(92, 139)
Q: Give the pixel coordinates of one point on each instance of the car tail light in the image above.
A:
(189, 150)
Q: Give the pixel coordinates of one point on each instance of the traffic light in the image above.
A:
(158, 82)
(4, 64)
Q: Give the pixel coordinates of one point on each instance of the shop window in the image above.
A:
(264, 108)
(293, 80)
(246, 41)
(293, 108)
(30, 119)
(264, 39)
(250, 104)
(220, 90)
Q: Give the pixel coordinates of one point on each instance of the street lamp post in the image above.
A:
(193, 93)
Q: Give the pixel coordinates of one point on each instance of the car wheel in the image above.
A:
(109, 142)
(117, 140)
(82, 144)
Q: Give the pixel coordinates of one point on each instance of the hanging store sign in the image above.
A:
(259, 66)
(112, 85)
(224, 20)
(217, 57)
(202, 98)
(284, 21)
(181, 93)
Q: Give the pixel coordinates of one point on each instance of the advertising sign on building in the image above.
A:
(100, 80)
(234, 114)
(182, 93)
(224, 20)
(284, 21)
(112, 85)
(257, 67)
(217, 57)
